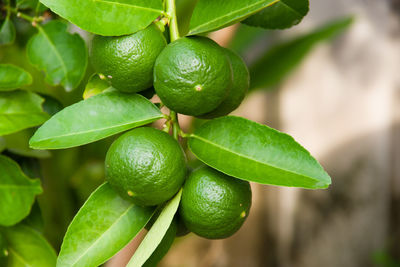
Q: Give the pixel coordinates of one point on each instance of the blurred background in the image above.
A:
(333, 83)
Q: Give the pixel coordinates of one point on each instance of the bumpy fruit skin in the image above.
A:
(241, 83)
(146, 165)
(128, 60)
(192, 75)
(214, 205)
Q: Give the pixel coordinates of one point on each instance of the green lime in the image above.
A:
(146, 165)
(214, 205)
(128, 61)
(192, 75)
(241, 83)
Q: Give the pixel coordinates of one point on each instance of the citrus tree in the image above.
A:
(139, 49)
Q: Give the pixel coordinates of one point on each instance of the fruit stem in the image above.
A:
(174, 35)
(32, 20)
(173, 22)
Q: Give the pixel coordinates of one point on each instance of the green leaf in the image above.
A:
(20, 110)
(26, 247)
(63, 56)
(7, 32)
(156, 233)
(101, 228)
(287, 56)
(211, 15)
(95, 86)
(3, 250)
(184, 10)
(18, 143)
(281, 15)
(108, 17)
(93, 119)
(257, 153)
(17, 192)
(13, 77)
(163, 247)
(31, 4)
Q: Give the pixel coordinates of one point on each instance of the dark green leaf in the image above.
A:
(3, 250)
(184, 10)
(108, 17)
(13, 77)
(211, 15)
(31, 4)
(257, 153)
(163, 247)
(280, 60)
(18, 143)
(63, 56)
(7, 32)
(17, 192)
(27, 247)
(102, 227)
(93, 119)
(35, 219)
(156, 233)
(281, 15)
(20, 110)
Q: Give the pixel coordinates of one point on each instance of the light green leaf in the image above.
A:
(93, 119)
(7, 32)
(156, 233)
(63, 56)
(26, 247)
(211, 15)
(164, 246)
(17, 192)
(101, 228)
(20, 110)
(95, 86)
(108, 17)
(280, 60)
(254, 152)
(13, 77)
(281, 15)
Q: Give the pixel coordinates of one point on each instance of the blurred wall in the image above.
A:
(342, 104)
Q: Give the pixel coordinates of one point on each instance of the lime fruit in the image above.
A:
(214, 205)
(128, 61)
(241, 83)
(146, 165)
(192, 75)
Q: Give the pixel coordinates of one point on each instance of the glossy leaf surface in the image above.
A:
(27, 247)
(250, 151)
(61, 55)
(156, 233)
(17, 192)
(20, 110)
(281, 15)
(93, 119)
(108, 17)
(13, 77)
(280, 60)
(211, 15)
(102, 227)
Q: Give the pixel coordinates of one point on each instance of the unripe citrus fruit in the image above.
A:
(146, 165)
(241, 83)
(192, 75)
(214, 205)
(128, 60)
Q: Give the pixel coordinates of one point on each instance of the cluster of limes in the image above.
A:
(192, 76)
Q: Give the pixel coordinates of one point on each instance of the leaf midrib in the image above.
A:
(227, 15)
(128, 5)
(53, 47)
(96, 130)
(255, 160)
(100, 237)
